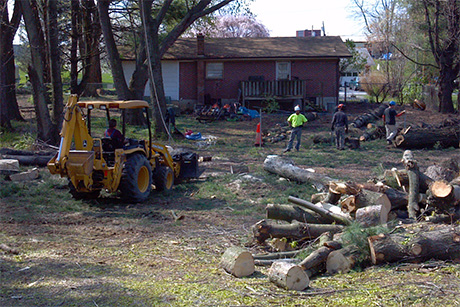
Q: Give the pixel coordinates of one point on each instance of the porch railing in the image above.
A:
(281, 89)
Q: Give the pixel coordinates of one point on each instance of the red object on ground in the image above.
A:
(258, 141)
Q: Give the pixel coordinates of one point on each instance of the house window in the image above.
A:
(283, 70)
(214, 70)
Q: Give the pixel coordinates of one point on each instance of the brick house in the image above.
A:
(292, 70)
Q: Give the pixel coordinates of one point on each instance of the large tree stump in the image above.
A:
(285, 168)
(264, 230)
(288, 276)
(342, 260)
(237, 261)
(442, 243)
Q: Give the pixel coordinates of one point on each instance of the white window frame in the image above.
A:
(214, 70)
(280, 75)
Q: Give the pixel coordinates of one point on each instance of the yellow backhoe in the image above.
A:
(94, 164)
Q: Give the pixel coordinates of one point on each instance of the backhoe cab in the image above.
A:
(96, 163)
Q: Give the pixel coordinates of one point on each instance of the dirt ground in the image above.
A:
(165, 252)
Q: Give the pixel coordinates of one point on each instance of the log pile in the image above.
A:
(359, 224)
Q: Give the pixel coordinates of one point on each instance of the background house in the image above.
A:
(293, 70)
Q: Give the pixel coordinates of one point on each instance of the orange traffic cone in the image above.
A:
(258, 141)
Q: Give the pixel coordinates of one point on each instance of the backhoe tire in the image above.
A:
(82, 195)
(164, 178)
(136, 179)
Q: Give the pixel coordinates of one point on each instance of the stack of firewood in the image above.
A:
(394, 223)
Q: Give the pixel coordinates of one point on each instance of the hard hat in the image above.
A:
(296, 108)
(340, 106)
(392, 103)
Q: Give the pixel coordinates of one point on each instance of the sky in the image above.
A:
(285, 17)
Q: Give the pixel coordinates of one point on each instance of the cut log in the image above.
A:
(442, 243)
(264, 230)
(397, 198)
(402, 179)
(9, 166)
(352, 143)
(26, 176)
(417, 138)
(440, 173)
(372, 133)
(332, 197)
(321, 211)
(237, 261)
(343, 188)
(269, 262)
(318, 197)
(373, 215)
(285, 168)
(443, 196)
(366, 198)
(413, 174)
(316, 258)
(369, 117)
(342, 260)
(37, 160)
(279, 255)
(291, 213)
(288, 276)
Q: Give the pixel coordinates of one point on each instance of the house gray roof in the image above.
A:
(259, 48)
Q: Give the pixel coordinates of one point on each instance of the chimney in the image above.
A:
(200, 44)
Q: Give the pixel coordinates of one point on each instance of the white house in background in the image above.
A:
(351, 77)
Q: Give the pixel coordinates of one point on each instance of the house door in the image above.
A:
(283, 70)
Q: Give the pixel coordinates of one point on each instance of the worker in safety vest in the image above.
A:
(296, 121)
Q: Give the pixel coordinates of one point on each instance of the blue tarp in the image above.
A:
(252, 113)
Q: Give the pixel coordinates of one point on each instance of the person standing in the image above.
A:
(296, 121)
(339, 126)
(389, 118)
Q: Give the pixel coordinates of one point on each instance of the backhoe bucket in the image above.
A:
(188, 165)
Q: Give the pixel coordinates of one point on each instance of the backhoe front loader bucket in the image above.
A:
(188, 165)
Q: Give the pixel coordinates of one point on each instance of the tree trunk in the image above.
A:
(417, 138)
(37, 73)
(288, 276)
(9, 109)
(442, 243)
(367, 118)
(237, 261)
(119, 80)
(264, 230)
(55, 62)
(92, 63)
(285, 168)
